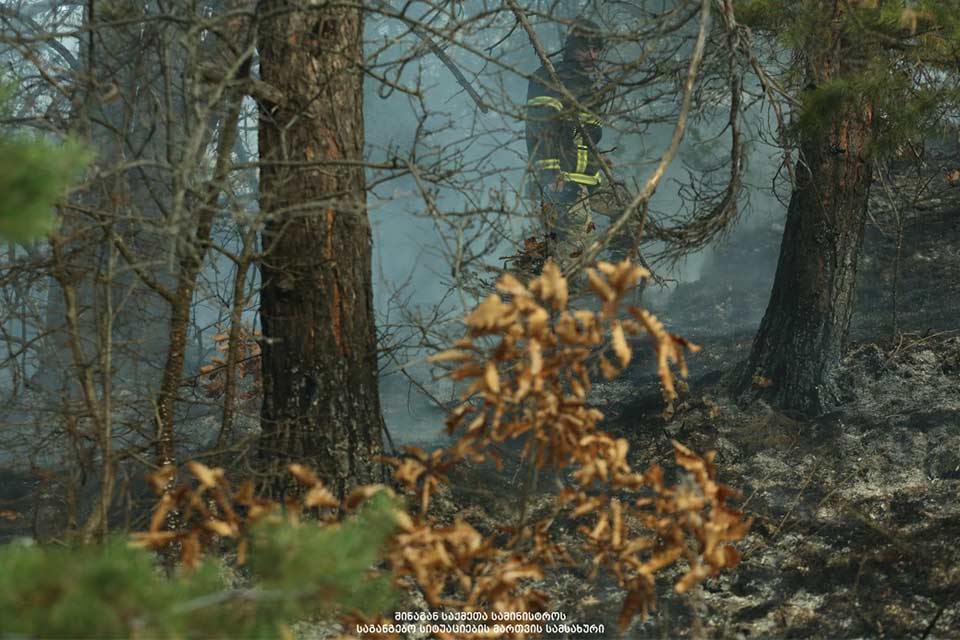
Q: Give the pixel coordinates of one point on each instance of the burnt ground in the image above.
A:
(856, 512)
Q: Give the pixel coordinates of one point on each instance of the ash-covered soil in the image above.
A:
(856, 513)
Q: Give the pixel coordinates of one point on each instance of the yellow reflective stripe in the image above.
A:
(583, 178)
(548, 163)
(589, 118)
(545, 101)
(581, 158)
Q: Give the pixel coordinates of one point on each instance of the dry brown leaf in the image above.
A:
(190, 550)
(694, 576)
(304, 475)
(627, 276)
(491, 315)
(221, 528)
(551, 286)
(362, 493)
(609, 371)
(455, 355)
(620, 346)
(158, 519)
(208, 477)
(637, 600)
(509, 284)
(578, 389)
(491, 378)
(470, 370)
(152, 540)
(588, 505)
(600, 286)
(661, 559)
(244, 495)
(408, 471)
(403, 520)
(162, 480)
(537, 322)
(320, 497)
(606, 268)
(536, 357)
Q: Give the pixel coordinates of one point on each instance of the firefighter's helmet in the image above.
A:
(583, 34)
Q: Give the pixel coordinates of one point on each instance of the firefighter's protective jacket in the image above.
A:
(555, 128)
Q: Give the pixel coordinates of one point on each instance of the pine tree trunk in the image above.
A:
(321, 404)
(797, 351)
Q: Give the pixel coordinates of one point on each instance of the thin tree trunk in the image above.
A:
(234, 348)
(190, 264)
(321, 404)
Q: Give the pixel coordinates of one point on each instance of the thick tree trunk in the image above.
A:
(321, 404)
(801, 340)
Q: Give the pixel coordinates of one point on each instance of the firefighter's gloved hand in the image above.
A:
(610, 199)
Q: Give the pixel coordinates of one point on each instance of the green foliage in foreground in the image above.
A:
(112, 590)
(34, 174)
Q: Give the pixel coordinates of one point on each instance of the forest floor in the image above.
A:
(856, 513)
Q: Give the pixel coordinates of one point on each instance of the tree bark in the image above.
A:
(797, 351)
(321, 405)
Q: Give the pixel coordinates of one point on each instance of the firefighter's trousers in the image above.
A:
(568, 224)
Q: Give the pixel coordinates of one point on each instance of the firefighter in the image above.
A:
(564, 169)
